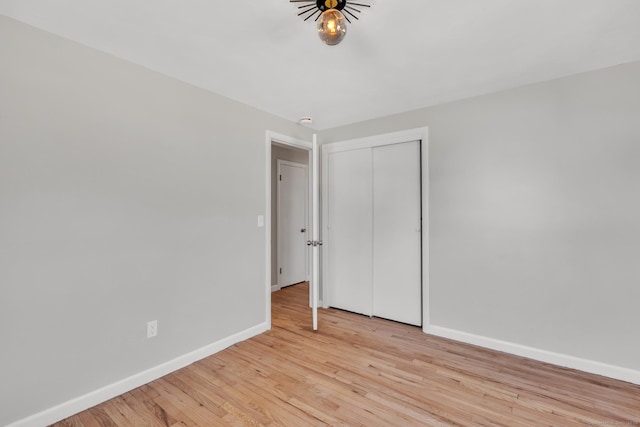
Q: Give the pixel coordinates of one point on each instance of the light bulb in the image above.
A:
(332, 27)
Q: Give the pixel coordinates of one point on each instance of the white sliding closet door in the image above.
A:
(374, 244)
(350, 229)
(397, 293)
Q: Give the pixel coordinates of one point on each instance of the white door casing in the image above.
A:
(292, 216)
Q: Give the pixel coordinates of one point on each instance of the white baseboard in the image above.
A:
(275, 288)
(585, 365)
(79, 404)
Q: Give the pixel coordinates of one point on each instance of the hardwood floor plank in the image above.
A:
(149, 408)
(101, 416)
(121, 413)
(365, 371)
(272, 391)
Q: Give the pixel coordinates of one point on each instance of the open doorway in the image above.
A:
(282, 150)
(290, 216)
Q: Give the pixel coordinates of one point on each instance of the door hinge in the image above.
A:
(280, 177)
(280, 270)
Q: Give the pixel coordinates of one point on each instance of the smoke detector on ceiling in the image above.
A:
(305, 120)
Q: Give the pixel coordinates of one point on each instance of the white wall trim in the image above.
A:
(426, 231)
(79, 404)
(585, 365)
(377, 140)
(287, 140)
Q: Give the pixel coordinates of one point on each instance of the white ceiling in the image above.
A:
(401, 55)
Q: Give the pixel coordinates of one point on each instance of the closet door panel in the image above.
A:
(397, 293)
(350, 230)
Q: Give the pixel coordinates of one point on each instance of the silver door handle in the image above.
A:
(314, 243)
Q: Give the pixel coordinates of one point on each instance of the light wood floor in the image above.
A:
(370, 372)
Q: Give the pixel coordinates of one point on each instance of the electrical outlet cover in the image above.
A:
(152, 328)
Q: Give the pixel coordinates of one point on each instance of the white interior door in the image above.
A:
(349, 199)
(315, 241)
(397, 293)
(292, 223)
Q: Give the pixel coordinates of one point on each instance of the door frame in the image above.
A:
(274, 138)
(420, 134)
(307, 269)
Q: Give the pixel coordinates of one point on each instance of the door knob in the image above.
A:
(302, 230)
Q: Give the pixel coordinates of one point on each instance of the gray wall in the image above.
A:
(125, 196)
(292, 155)
(535, 213)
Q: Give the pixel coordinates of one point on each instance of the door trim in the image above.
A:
(420, 134)
(280, 139)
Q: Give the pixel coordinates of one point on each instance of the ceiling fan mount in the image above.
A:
(315, 8)
(324, 5)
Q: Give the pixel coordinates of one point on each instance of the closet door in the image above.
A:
(350, 230)
(397, 293)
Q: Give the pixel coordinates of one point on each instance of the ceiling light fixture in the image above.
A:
(330, 17)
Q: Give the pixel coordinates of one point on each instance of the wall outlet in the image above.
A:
(152, 328)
